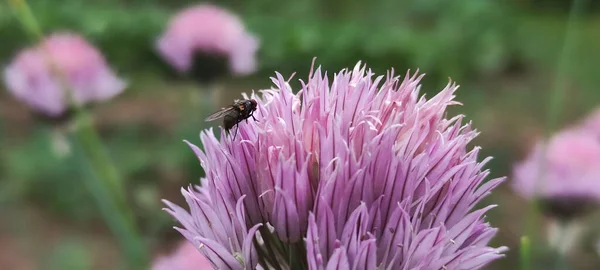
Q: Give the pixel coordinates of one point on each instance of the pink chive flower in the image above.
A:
(208, 29)
(360, 172)
(566, 176)
(30, 77)
(185, 257)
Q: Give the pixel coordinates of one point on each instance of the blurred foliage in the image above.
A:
(54, 183)
(442, 38)
(556, 6)
(68, 254)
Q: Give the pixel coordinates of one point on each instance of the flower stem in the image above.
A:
(107, 189)
(23, 13)
(525, 253)
(560, 83)
(554, 110)
(106, 186)
(297, 256)
(98, 157)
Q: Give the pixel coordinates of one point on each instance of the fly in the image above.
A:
(232, 115)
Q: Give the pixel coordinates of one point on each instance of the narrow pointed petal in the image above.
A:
(313, 249)
(218, 254)
(250, 257)
(338, 261)
(367, 256)
(285, 217)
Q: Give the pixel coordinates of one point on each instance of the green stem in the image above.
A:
(297, 260)
(202, 101)
(98, 157)
(554, 110)
(564, 65)
(23, 13)
(525, 253)
(106, 186)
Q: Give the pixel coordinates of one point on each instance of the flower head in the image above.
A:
(357, 173)
(185, 257)
(31, 79)
(210, 30)
(566, 175)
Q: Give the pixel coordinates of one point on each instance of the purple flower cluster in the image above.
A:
(571, 167)
(30, 77)
(566, 173)
(360, 172)
(212, 30)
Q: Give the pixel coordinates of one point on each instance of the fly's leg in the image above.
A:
(237, 126)
(252, 115)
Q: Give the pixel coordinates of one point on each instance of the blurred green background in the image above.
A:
(504, 54)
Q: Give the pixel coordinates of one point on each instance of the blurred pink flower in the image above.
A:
(209, 29)
(31, 80)
(571, 168)
(185, 257)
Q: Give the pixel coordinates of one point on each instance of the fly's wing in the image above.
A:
(219, 114)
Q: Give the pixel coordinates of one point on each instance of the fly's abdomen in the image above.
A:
(230, 120)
